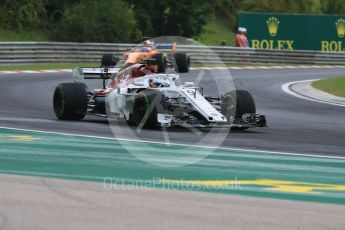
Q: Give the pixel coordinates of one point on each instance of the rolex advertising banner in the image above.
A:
(294, 31)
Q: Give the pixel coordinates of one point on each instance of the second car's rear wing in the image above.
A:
(99, 71)
(79, 74)
(171, 46)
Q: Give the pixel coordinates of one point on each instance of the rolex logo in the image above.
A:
(273, 24)
(340, 25)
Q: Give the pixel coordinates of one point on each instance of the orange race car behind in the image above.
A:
(148, 50)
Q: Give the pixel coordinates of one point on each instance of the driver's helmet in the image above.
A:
(155, 83)
(144, 49)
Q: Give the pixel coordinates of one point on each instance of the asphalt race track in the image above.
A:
(52, 181)
(295, 125)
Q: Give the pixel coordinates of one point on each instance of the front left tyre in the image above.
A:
(147, 104)
(70, 101)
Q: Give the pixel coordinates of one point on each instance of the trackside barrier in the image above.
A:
(14, 53)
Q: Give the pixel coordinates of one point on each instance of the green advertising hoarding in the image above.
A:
(294, 31)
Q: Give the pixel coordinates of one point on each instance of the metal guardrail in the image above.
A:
(14, 53)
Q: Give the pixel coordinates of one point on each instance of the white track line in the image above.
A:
(36, 71)
(27, 119)
(286, 88)
(8, 72)
(177, 144)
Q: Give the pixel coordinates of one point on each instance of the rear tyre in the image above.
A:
(161, 62)
(182, 62)
(70, 101)
(109, 60)
(147, 104)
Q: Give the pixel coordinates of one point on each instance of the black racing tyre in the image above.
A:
(147, 104)
(244, 103)
(70, 101)
(109, 60)
(161, 62)
(182, 62)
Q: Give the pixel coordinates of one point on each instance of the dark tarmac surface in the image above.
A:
(295, 125)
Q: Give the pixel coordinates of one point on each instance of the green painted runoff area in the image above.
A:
(227, 171)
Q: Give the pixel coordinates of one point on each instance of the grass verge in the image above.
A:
(22, 35)
(215, 31)
(335, 86)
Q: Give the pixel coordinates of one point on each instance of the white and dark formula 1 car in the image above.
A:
(144, 98)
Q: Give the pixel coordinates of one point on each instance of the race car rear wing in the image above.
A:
(92, 72)
(79, 74)
(99, 71)
(171, 46)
